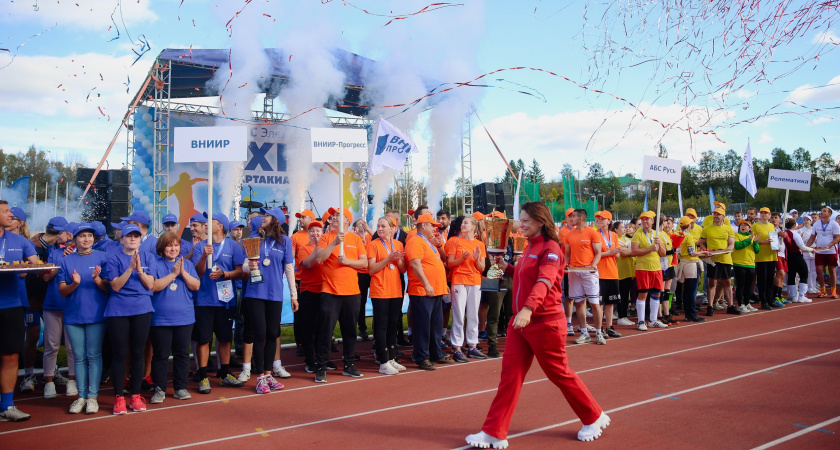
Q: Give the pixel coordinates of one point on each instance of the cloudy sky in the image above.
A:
(614, 82)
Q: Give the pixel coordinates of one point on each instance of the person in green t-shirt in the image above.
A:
(719, 236)
(743, 260)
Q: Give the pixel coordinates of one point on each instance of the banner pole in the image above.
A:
(210, 213)
(784, 213)
(66, 197)
(341, 204)
(658, 209)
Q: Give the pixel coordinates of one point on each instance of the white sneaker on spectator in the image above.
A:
(743, 309)
(642, 326)
(593, 431)
(92, 406)
(244, 376)
(589, 313)
(72, 389)
(280, 372)
(49, 390)
(28, 383)
(78, 405)
(625, 321)
(750, 307)
(658, 324)
(388, 369)
(804, 299)
(719, 306)
(396, 365)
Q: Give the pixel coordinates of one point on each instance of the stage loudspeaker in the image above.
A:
(119, 177)
(118, 211)
(119, 193)
(484, 197)
(83, 175)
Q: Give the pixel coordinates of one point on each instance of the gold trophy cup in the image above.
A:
(252, 252)
(497, 239)
(519, 244)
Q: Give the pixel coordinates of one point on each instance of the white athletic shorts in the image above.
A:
(584, 286)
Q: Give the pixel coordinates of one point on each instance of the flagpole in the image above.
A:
(784, 213)
(341, 204)
(210, 213)
(658, 208)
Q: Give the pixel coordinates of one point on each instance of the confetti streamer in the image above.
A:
(24, 43)
(393, 17)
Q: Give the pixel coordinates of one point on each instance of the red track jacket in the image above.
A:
(538, 280)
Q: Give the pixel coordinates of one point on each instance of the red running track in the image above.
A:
(733, 382)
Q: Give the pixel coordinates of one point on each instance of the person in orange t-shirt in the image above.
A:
(426, 287)
(386, 264)
(361, 228)
(309, 298)
(608, 271)
(568, 306)
(466, 259)
(583, 250)
(300, 238)
(340, 295)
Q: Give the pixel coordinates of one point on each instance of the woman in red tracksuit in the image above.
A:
(538, 329)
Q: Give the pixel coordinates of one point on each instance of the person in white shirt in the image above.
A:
(825, 236)
(805, 231)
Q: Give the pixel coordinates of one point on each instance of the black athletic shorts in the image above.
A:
(720, 271)
(213, 319)
(12, 330)
(669, 274)
(609, 292)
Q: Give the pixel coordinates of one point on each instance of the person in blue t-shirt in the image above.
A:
(265, 300)
(172, 322)
(101, 241)
(148, 242)
(85, 295)
(13, 247)
(170, 224)
(235, 230)
(128, 314)
(215, 302)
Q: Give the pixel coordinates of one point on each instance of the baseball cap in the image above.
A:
(119, 226)
(720, 211)
(569, 212)
(604, 215)
(648, 214)
(427, 218)
(199, 217)
(315, 223)
(256, 223)
(498, 215)
(347, 213)
(765, 209)
(305, 212)
(57, 223)
(745, 222)
(79, 227)
(685, 221)
(139, 217)
(130, 228)
(806, 217)
(410, 212)
(234, 225)
(98, 228)
(19, 213)
(793, 211)
(277, 213)
(828, 208)
(720, 205)
(478, 215)
(223, 219)
(169, 218)
(691, 212)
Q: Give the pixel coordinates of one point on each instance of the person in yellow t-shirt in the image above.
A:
(719, 236)
(666, 226)
(689, 269)
(765, 259)
(648, 248)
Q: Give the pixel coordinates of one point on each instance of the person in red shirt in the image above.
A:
(426, 288)
(309, 299)
(583, 251)
(340, 295)
(537, 330)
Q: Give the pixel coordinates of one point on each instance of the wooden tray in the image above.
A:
(581, 269)
(28, 268)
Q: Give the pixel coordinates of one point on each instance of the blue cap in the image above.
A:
(139, 217)
(223, 219)
(119, 226)
(79, 227)
(256, 223)
(169, 218)
(130, 228)
(199, 217)
(69, 227)
(234, 225)
(98, 228)
(19, 213)
(57, 223)
(277, 213)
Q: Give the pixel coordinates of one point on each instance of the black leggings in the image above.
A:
(626, 286)
(337, 308)
(128, 334)
(364, 287)
(174, 339)
(264, 316)
(308, 316)
(386, 320)
(796, 266)
(765, 273)
(744, 277)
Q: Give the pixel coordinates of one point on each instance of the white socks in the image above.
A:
(803, 289)
(640, 310)
(792, 292)
(277, 364)
(654, 308)
(246, 367)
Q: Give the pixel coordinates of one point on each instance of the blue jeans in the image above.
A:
(427, 313)
(690, 298)
(87, 340)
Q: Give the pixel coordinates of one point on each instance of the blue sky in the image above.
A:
(66, 67)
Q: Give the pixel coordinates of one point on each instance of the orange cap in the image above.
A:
(305, 212)
(498, 215)
(315, 223)
(347, 213)
(743, 222)
(478, 216)
(427, 218)
(569, 212)
(604, 215)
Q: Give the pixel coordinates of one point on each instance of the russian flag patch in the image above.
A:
(552, 257)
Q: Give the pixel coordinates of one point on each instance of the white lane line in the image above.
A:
(685, 391)
(377, 376)
(784, 439)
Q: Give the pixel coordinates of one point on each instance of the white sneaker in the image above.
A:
(642, 326)
(625, 321)
(589, 328)
(244, 376)
(750, 307)
(484, 440)
(59, 379)
(594, 431)
(12, 414)
(743, 309)
(92, 406)
(600, 340)
(804, 299)
(28, 383)
(658, 324)
(72, 388)
(49, 390)
(280, 372)
(719, 307)
(396, 365)
(182, 394)
(78, 405)
(388, 369)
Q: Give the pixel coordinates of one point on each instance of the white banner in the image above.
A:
(392, 147)
(789, 179)
(205, 144)
(339, 145)
(662, 169)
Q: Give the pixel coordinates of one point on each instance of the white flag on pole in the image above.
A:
(391, 148)
(516, 197)
(747, 176)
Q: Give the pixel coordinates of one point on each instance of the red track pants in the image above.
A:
(546, 341)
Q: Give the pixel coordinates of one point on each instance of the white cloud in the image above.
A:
(808, 93)
(81, 14)
(826, 37)
(765, 138)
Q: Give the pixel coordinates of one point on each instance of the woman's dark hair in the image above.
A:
(455, 227)
(614, 226)
(790, 223)
(540, 213)
(165, 240)
(274, 230)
